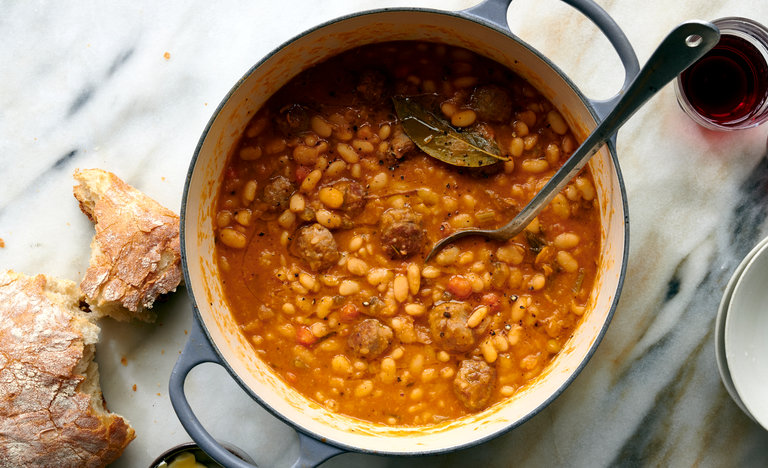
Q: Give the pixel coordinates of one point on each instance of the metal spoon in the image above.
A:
(683, 46)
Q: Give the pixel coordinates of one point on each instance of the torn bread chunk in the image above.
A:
(52, 412)
(135, 255)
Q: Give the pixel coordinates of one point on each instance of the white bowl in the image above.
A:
(722, 312)
(746, 336)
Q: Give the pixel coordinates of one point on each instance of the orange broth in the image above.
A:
(327, 210)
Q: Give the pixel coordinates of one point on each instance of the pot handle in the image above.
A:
(199, 350)
(495, 12)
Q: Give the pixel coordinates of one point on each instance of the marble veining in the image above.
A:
(129, 87)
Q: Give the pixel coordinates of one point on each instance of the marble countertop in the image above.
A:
(129, 87)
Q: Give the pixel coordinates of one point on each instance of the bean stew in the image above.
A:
(327, 208)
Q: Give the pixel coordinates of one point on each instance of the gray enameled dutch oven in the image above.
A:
(216, 338)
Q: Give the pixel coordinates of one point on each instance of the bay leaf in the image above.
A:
(439, 139)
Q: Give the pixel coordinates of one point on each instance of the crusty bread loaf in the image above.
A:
(135, 255)
(52, 413)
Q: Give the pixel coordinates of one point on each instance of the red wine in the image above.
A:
(730, 83)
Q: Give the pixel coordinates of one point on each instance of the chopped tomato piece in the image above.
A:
(348, 313)
(305, 337)
(459, 286)
(492, 301)
(302, 172)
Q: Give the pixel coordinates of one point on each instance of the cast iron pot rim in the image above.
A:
(295, 425)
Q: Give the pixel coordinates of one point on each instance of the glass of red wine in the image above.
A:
(727, 89)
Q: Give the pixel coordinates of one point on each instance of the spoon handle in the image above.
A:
(683, 46)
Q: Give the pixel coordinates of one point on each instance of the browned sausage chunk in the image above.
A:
(292, 120)
(371, 85)
(448, 324)
(401, 232)
(354, 196)
(370, 338)
(399, 144)
(491, 102)
(277, 193)
(473, 384)
(316, 246)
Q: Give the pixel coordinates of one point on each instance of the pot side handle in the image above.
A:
(198, 350)
(495, 12)
(620, 43)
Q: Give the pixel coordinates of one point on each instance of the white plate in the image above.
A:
(722, 311)
(746, 336)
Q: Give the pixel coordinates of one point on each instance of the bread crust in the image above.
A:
(52, 413)
(135, 254)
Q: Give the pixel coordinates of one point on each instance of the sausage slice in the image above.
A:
(401, 232)
(400, 144)
(448, 324)
(354, 196)
(473, 384)
(316, 246)
(371, 85)
(370, 338)
(277, 193)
